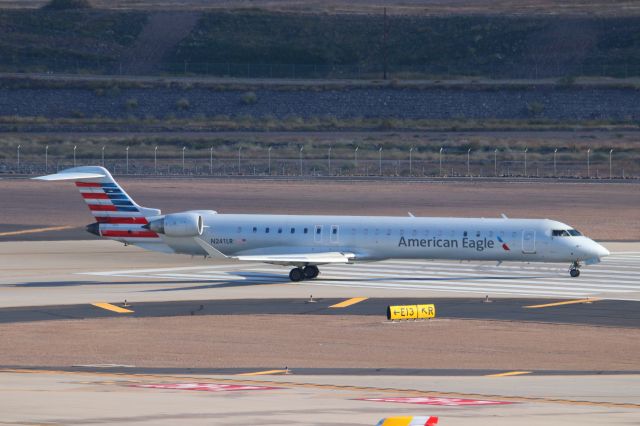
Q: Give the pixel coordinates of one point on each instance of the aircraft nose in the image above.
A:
(598, 250)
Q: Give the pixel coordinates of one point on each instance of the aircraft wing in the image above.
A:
(300, 259)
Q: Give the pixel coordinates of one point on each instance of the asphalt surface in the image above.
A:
(284, 370)
(611, 313)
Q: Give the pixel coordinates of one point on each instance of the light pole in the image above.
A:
(127, 162)
(74, 155)
(300, 154)
(355, 156)
(380, 160)
(184, 148)
(46, 158)
(588, 163)
(269, 155)
(440, 160)
(19, 158)
(410, 159)
(610, 153)
(103, 155)
(329, 160)
(525, 161)
(155, 160)
(468, 158)
(495, 162)
(555, 152)
(210, 160)
(239, 153)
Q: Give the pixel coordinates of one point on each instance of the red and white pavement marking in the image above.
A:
(208, 387)
(450, 402)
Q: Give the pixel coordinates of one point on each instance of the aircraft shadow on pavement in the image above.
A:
(250, 279)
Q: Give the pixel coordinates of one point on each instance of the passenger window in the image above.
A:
(239, 229)
(334, 231)
(293, 230)
(255, 229)
(477, 234)
(266, 230)
(402, 232)
(464, 234)
(415, 232)
(318, 230)
(388, 231)
(306, 230)
(279, 230)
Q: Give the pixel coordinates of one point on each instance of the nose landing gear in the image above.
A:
(574, 270)
(308, 272)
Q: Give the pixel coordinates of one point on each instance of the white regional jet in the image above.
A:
(307, 241)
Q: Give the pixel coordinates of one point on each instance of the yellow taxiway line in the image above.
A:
(567, 302)
(110, 307)
(34, 230)
(263, 373)
(509, 373)
(349, 302)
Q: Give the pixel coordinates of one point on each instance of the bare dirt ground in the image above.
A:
(318, 341)
(603, 211)
(417, 7)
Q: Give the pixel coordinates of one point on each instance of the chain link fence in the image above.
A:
(357, 164)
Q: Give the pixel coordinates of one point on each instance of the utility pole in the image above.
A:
(329, 159)
(184, 148)
(555, 152)
(441, 148)
(301, 148)
(525, 161)
(269, 154)
(46, 158)
(19, 158)
(384, 45)
(155, 160)
(610, 153)
(410, 158)
(210, 160)
(74, 155)
(355, 155)
(468, 162)
(127, 161)
(103, 155)
(588, 163)
(239, 150)
(380, 160)
(495, 162)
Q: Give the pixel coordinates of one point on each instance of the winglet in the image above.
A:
(70, 176)
(504, 216)
(410, 214)
(211, 251)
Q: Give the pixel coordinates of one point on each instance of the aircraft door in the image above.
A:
(529, 241)
(317, 234)
(334, 236)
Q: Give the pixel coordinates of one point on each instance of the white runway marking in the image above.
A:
(617, 276)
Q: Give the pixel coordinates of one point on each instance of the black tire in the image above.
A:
(574, 273)
(296, 275)
(311, 271)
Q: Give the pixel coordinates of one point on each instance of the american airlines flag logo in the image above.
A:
(504, 245)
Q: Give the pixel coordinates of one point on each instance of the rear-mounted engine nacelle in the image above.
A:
(178, 225)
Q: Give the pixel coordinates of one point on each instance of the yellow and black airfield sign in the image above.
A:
(407, 312)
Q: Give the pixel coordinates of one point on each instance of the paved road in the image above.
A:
(612, 313)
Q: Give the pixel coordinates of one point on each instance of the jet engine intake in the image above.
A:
(178, 225)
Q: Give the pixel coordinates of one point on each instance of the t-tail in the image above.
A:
(117, 216)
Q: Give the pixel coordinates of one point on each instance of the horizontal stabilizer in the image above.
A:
(70, 176)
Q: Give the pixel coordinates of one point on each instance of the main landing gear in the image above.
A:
(306, 273)
(574, 270)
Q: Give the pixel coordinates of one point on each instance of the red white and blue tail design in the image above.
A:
(117, 215)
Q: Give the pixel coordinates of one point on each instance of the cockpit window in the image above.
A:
(565, 233)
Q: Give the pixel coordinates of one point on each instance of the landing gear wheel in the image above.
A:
(296, 274)
(311, 271)
(574, 272)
